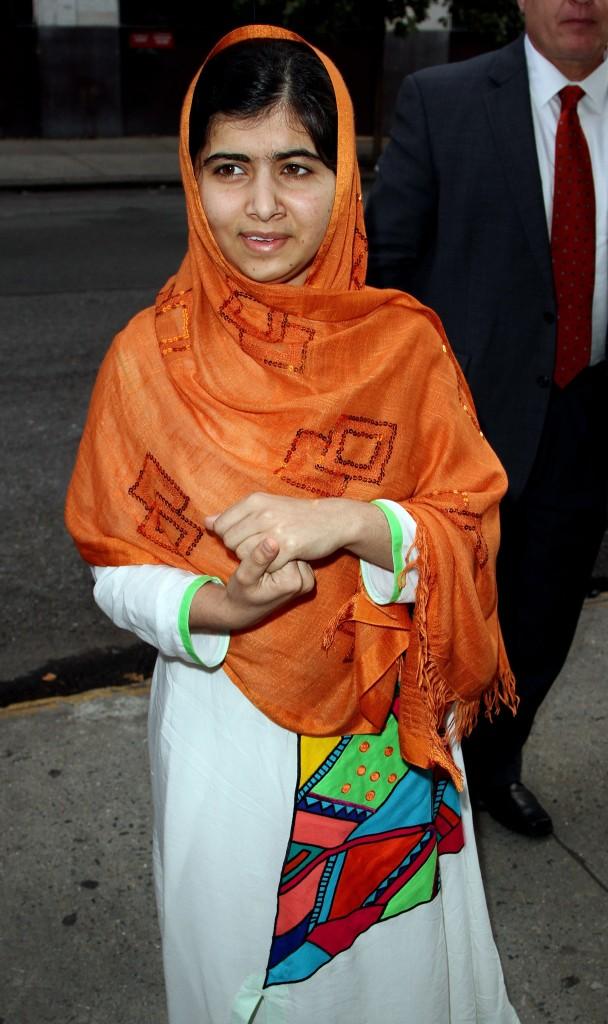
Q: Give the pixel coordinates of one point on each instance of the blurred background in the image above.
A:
(91, 68)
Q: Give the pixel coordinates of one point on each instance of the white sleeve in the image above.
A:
(153, 601)
(380, 583)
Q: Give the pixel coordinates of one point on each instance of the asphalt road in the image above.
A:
(76, 266)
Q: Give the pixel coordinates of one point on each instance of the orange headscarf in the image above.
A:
(227, 387)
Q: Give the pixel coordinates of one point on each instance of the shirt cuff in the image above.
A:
(207, 649)
(382, 586)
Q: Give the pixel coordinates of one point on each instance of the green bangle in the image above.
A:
(396, 545)
(183, 617)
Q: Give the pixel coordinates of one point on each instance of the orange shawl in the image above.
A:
(226, 387)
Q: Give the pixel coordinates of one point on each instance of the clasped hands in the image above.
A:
(275, 538)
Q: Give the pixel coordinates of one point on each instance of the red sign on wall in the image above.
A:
(151, 40)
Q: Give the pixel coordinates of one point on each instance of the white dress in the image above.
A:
(299, 881)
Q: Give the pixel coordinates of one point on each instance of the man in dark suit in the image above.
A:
(474, 211)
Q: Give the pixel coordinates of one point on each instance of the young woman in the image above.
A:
(283, 487)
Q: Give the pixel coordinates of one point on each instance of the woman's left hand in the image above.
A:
(306, 529)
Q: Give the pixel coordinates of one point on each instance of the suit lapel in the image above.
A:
(507, 99)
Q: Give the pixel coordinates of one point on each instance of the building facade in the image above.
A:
(103, 68)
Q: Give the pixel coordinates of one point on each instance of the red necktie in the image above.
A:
(572, 241)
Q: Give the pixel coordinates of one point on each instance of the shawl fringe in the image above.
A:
(345, 614)
(423, 676)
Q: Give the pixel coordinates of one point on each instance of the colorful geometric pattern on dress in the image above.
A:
(364, 846)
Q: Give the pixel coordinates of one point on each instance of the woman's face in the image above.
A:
(266, 194)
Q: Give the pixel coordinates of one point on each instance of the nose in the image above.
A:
(264, 201)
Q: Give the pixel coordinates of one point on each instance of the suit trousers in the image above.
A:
(550, 537)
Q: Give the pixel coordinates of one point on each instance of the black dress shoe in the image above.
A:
(515, 807)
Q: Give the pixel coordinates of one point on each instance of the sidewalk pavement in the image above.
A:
(81, 942)
(99, 163)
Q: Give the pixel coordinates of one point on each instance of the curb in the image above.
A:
(29, 707)
(64, 678)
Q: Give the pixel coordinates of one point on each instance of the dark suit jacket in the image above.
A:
(456, 217)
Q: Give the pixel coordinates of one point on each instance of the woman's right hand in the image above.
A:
(252, 592)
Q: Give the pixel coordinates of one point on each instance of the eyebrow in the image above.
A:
(242, 158)
(289, 153)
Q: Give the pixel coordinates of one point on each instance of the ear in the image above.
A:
(522, 6)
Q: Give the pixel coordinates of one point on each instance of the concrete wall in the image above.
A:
(76, 13)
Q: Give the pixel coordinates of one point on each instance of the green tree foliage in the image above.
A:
(320, 20)
(499, 21)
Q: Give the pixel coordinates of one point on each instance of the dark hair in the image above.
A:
(257, 74)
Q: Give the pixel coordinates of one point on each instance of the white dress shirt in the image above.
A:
(545, 84)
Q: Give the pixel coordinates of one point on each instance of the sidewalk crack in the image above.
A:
(580, 860)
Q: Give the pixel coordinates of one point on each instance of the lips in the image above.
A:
(261, 242)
